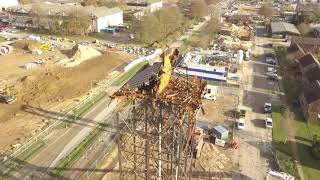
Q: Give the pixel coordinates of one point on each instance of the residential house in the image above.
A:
(305, 11)
(310, 102)
(308, 44)
(101, 17)
(294, 53)
(283, 29)
(309, 68)
(316, 31)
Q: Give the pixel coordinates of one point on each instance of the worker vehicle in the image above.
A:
(242, 114)
(267, 107)
(271, 60)
(273, 77)
(271, 70)
(210, 92)
(6, 99)
(268, 122)
(241, 123)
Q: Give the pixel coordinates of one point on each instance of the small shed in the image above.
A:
(220, 132)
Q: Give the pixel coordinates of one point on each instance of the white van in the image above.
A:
(210, 92)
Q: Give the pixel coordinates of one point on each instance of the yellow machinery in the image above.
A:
(44, 47)
(165, 77)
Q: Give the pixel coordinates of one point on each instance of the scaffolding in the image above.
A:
(155, 135)
(153, 143)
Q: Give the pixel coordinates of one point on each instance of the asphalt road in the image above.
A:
(61, 143)
(254, 154)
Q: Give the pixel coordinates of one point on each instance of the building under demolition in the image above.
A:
(155, 138)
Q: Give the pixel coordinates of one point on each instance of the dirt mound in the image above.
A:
(27, 45)
(79, 54)
(59, 83)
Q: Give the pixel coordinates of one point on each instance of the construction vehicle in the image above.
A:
(6, 99)
(166, 70)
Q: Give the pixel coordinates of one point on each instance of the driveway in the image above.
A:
(254, 155)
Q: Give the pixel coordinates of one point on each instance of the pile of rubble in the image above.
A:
(239, 31)
(212, 159)
(78, 54)
(234, 42)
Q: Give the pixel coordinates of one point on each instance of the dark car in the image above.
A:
(6, 99)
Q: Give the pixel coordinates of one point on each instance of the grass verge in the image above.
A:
(129, 74)
(21, 160)
(34, 148)
(75, 153)
(82, 110)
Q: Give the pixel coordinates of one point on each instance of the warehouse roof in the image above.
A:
(283, 27)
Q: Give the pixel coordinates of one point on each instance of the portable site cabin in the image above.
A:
(220, 132)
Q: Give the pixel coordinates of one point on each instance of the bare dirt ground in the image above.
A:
(45, 86)
(221, 110)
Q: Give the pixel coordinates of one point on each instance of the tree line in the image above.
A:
(73, 21)
(157, 26)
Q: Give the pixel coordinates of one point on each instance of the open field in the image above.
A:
(46, 86)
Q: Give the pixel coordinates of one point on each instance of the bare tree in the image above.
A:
(209, 2)
(266, 10)
(113, 3)
(89, 2)
(159, 25)
(24, 1)
(198, 8)
(147, 29)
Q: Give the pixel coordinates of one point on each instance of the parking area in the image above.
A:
(254, 154)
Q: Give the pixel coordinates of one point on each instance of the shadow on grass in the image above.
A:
(304, 151)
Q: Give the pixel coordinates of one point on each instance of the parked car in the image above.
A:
(209, 97)
(6, 99)
(271, 60)
(267, 107)
(273, 78)
(271, 70)
(241, 123)
(268, 122)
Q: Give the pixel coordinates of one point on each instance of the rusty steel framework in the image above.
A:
(155, 142)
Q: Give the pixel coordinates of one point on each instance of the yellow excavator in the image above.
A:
(165, 75)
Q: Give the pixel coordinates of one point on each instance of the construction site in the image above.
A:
(52, 74)
(158, 135)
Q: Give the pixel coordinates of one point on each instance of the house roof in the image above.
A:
(305, 40)
(282, 27)
(317, 28)
(294, 47)
(312, 93)
(307, 60)
(313, 74)
(307, 7)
